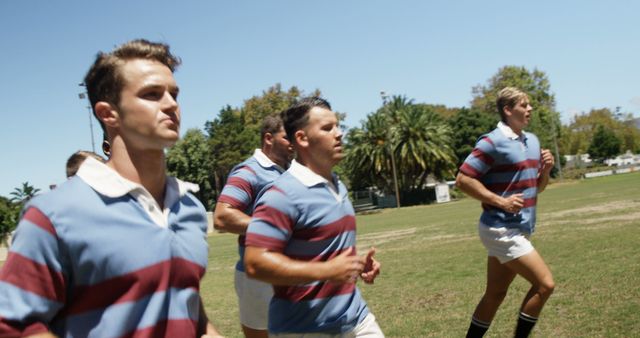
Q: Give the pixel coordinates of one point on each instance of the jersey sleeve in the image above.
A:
(273, 221)
(239, 191)
(32, 281)
(480, 159)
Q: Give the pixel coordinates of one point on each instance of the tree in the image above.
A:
(604, 145)
(189, 160)
(418, 137)
(545, 121)
(230, 142)
(235, 133)
(9, 212)
(577, 136)
(23, 194)
(467, 126)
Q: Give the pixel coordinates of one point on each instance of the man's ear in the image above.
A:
(301, 138)
(268, 139)
(107, 114)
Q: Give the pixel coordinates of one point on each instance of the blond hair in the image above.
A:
(509, 97)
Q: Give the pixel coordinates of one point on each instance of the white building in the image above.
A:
(623, 160)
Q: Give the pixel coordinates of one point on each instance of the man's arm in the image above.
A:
(477, 190)
(278, 269)
(547, 164)
(371, 267)
(229, 219)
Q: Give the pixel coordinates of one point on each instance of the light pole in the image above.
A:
(83, 96)
(390, 147)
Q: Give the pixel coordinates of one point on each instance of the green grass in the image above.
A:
(434, 266)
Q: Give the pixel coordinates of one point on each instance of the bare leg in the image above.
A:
(533, 268)
(253, 333)
(499, 277)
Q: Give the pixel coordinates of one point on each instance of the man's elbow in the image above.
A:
(251, 264)
(218, 223)
(459, 180)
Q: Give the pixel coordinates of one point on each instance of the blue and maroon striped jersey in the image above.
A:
(244, 183)
(507, 164)
(301, 216)
(83, 264)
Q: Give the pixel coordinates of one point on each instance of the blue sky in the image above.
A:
(431, 51)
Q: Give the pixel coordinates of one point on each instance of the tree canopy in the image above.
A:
(605, 144)
(545, 121)
(418, 137)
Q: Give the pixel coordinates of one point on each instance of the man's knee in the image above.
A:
(546, 287)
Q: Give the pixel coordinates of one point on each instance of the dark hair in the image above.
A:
(104, 81)
(296, 117)
(75, 161)
(270, 124)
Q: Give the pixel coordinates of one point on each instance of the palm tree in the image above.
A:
(418, 137)
(24, 194)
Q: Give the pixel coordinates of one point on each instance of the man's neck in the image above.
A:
(514, 128)
(268, 152)
(145, 167)
(323, 171)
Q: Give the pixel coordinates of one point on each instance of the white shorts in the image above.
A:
(253, 300)
(504, 243)
(368, 328)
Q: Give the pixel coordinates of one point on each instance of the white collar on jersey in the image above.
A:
(307, 177)
(263, 160)
(108, 182)
(508, 132)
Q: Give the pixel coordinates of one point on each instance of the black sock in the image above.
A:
(477, 328)
(525, 325)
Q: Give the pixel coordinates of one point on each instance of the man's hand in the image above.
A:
(371, 267)
(513, 203)
(547, 160)
(345, 267)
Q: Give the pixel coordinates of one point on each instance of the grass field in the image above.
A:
(434, 266)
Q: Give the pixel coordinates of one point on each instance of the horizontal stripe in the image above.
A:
(469, 170)
(512, 186)
(513, 167)
(273, 217)
(306, 248)
(34, 277)
(35, 216)
(240, 183)
(10, 328)
(269, 243)
(247, 168)
(486, 139)
(236, 203)
(301, 293)
(482, 156)
(322, 232)
(167, 328)
(176, 273)
(125, 318)
(496, 177)
(322, 257)
(528, 203)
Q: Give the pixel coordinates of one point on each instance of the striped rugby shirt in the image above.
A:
(89, 260)
(244, 184)
(304, 218)
(506, 164)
